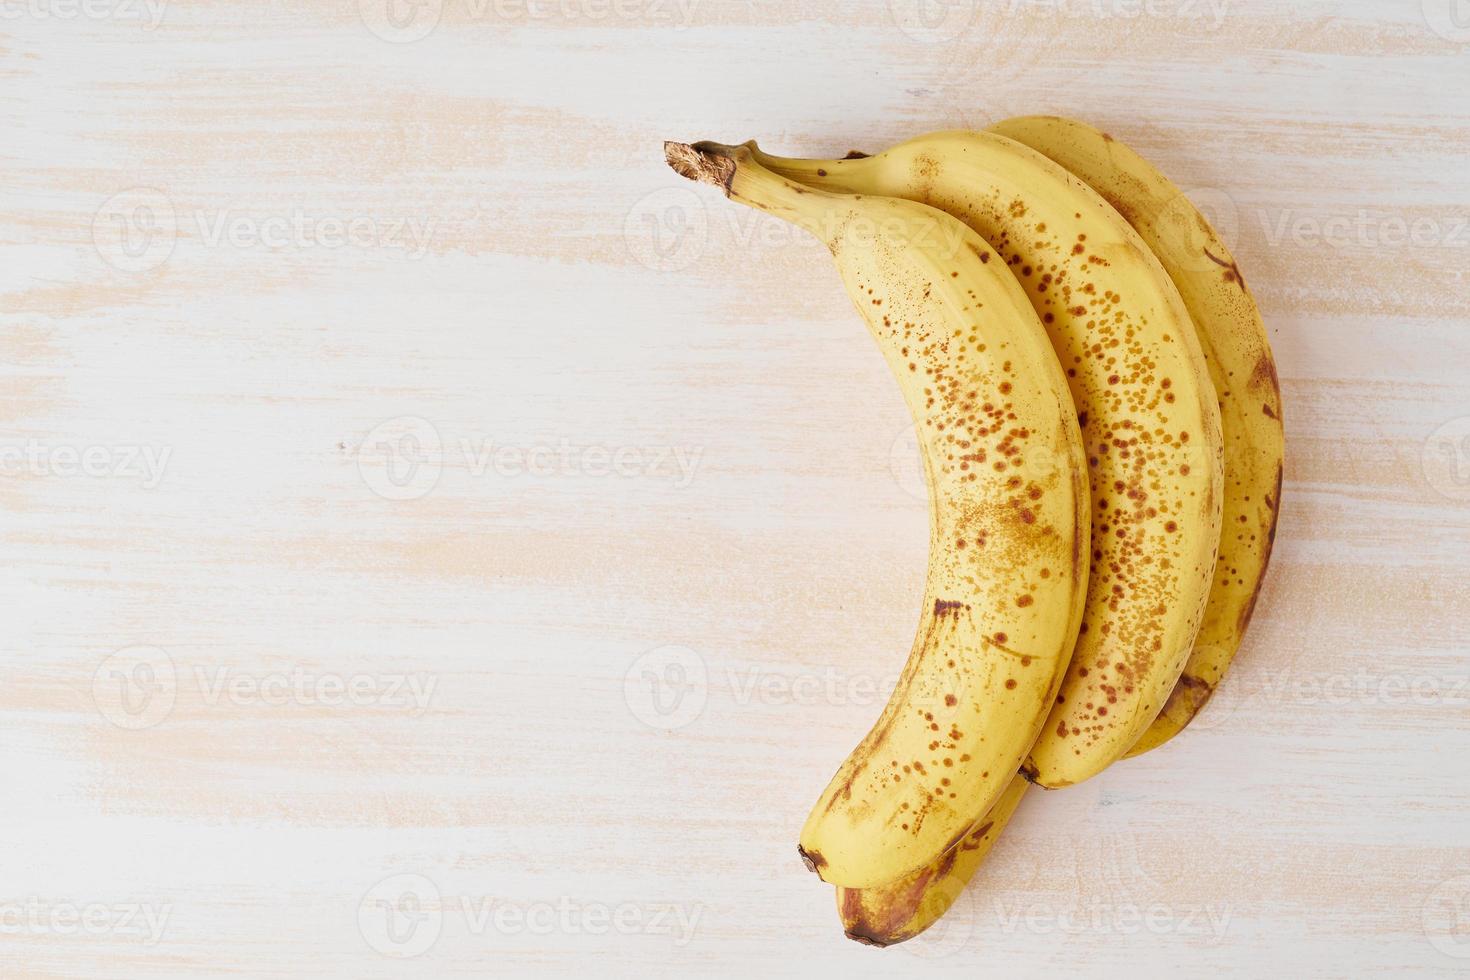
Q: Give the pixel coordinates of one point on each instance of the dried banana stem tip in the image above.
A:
(702, 162)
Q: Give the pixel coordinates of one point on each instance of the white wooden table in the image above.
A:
(413, 492)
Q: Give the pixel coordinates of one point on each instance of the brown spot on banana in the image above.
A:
(1263, 377)
(1273, 503)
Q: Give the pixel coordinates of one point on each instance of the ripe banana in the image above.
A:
(1234, 341)
(901, 910)
(1008, 519)
(1145, 401)
(1244, 373)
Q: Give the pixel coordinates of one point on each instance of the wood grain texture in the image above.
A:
(413, 492)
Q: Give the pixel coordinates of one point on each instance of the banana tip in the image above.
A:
(700, 163)
(812, 859)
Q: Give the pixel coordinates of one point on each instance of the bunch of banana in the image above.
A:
(1088, 372)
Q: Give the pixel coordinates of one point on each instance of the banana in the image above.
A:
(901, 910)
(1148, 411)
(1244, 374)
(1008, 519)
(1235, 345)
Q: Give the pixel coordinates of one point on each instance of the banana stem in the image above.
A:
(706, 162)
(738, 171)
(825, 174)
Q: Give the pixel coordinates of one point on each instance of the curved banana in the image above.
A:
(1008, 519)
(1236, 347)
(1147, 407)
(1239, 357)
(901, 910)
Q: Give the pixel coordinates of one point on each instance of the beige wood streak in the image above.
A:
(508, 287)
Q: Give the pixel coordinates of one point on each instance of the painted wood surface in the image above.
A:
(439, 542)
